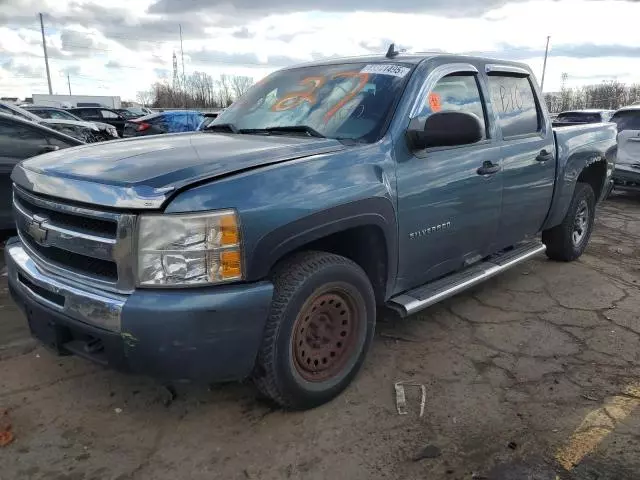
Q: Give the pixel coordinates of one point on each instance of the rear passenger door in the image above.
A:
(528, 152)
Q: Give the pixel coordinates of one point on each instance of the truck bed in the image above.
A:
(577, 147)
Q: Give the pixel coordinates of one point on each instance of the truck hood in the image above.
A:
(144, 172)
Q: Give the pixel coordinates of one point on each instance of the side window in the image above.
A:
(24, 134)
(57, 114)
(19, 141)
(88, 113)
(515, 104)
(43, 113)
(456, 92)
(108, 114)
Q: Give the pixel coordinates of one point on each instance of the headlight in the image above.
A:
(185, 250)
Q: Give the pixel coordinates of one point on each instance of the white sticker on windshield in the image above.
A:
(386, 69)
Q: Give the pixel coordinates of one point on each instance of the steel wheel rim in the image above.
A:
(581, 223)
(325, 334)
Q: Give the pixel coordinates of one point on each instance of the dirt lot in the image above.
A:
(534, 375)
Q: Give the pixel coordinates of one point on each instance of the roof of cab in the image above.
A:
(410, 58)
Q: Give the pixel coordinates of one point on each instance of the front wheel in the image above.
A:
(567, 241)
(318, 332)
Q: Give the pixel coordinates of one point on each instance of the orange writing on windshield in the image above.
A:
(295, 99)
(357, 88)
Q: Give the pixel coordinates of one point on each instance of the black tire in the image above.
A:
(334, 292)
(561, 240)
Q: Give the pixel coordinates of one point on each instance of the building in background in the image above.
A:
(69, 101)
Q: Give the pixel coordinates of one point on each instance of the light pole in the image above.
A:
(544, 66)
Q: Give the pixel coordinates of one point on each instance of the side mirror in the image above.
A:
(48, 148)
(445, 129)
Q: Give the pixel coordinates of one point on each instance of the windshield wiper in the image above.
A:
(222, 127)
(310, 131)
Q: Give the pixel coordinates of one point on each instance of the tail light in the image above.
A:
(142, 126)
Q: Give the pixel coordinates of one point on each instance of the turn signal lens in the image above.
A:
(229, 229)
(230, 261)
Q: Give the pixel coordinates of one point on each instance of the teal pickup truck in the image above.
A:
(261, 246)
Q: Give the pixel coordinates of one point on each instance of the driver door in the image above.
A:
(448, 209)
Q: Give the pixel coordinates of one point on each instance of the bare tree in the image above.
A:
(225, 90)
(199, 90)
(240, 85)
(145, 97)
(609, 94)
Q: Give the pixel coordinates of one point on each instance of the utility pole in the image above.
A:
(182, 54)
(69, 83)
(46, 57)
(544, 66)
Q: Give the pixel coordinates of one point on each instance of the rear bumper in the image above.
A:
(626, 178)
(201, 335)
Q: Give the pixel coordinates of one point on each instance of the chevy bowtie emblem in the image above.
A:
(36, 229)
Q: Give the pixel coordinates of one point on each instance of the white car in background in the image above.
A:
(626, 175)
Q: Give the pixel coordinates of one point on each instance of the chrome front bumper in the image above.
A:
(91, 306)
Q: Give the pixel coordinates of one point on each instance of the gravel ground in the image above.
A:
(533, 375)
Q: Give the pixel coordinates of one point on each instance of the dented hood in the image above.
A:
(143, 172)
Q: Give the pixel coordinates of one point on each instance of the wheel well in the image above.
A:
(366, 246)
(594, 175)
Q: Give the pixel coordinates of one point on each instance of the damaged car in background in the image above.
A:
(63, 121)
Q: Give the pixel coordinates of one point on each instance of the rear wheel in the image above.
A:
(567, 241)
(318, 332)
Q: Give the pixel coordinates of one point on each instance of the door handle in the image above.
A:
(544, 156)
(488, 168)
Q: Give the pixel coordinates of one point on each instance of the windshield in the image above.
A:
(19, 112)
(627, 120)
(348, 101)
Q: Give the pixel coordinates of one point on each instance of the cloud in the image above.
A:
(242, 33)
(580, 51)
(113, 64)
(258, 8)
(209, 57)
(162, 73)
(71, 70)
(22, 69)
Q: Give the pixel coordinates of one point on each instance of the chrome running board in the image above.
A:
(426, 295)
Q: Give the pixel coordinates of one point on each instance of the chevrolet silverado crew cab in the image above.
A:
(261, 246)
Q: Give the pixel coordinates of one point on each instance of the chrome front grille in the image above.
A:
(82, 244)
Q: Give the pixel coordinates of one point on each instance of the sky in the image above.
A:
(121, 47)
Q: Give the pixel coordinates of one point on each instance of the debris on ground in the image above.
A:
(401, 400)
(590, 397)
(398, 337)
(117, 410)
(6, 429)
(430, 451)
